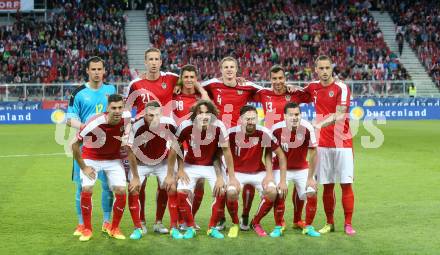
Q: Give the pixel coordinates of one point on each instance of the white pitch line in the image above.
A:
(32, 155)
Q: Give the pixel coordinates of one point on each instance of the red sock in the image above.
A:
(278, 211)
(133, 205)
(265, 205)
(312, 204)
(86, 209)
(328, 197)
(347, 201)
(161, 203)
(247, 196)
(185, 208)
(198, 197)
(118, 209)
(298, 206)
(233, 210)
(217, 210)
(172, 208)
(142, 201)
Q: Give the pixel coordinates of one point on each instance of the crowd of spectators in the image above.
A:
(262, 33)
(419, 23)
(55, 49)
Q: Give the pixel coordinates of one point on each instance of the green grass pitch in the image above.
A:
(397, 202)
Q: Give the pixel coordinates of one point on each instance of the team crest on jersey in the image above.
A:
(164, 85)
(209, 136)
(288, 97)
(331, 93)
(162, 134)
(121, 129)
(299, 137)
(240, 92)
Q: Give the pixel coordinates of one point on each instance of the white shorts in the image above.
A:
(112, 168)
(255, 180)
(298, 177)
(195, 172)
(334, 165)
(144, 171)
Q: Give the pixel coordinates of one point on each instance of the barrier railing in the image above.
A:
(62, 91)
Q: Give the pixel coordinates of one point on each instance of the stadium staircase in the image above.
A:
(138, 40)
(423, 82)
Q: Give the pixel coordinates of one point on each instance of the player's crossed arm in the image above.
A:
(339, 115)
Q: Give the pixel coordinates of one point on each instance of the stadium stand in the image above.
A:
(264, 33)
(34, 50)
(419, 22)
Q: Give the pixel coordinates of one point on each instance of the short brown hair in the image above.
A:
(321, 58)
(276, 69)
(211, 108)
(152, 103)
(188, 68)
(151, 50)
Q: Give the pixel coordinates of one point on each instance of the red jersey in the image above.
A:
(295, 144)
(248, 150)
(203, 144)
(326, 99)
(160, 90)
(102, 141)
(273, 104)
(150, 144)
(182, 106)
(229, 100)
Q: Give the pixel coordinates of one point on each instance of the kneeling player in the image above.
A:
(250, 143)
(297, 139)
(102, 138)
(148, 141)
(203, 133)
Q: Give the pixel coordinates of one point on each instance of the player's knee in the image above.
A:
(134, 192)
(200, 183)
(172, 190)
(271, 193)
(88, 189)
(231, 193)
(185, 191)
(119, 190)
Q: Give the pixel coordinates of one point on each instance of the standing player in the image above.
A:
(297, 139)
(158, 86)
(182, 111)
(335, 149)
(148, 141)
(273, 101)
(229, 96)
(102, 138)
(203, 133)
(86, 101)
(252, 146)
(188, 95)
